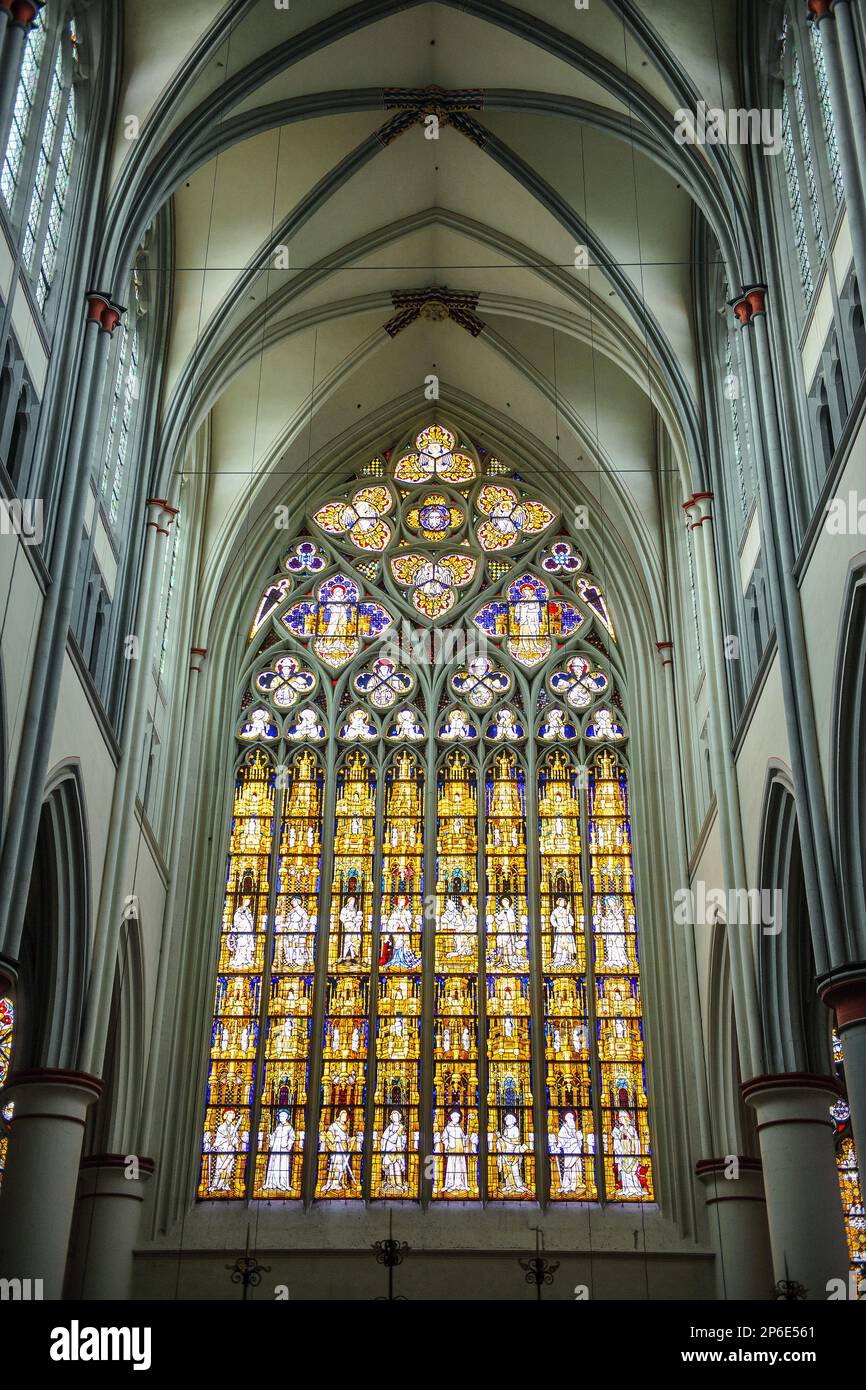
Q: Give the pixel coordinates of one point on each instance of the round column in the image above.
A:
(737, 1220)
(110, 1195)
(38, 1194)
(804, 1210)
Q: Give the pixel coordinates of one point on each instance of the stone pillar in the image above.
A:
(844, 991)
(807, 1233)
(38, 1193)
(822, 12)
(110, 1196)
(16, 19)
(737, 1219)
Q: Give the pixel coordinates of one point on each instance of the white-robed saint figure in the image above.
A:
(570, 1148)
(509, 948)
(455, 1146)
(242, 937)
(352, 922)
(511, 1149)
(281, 1143)
(625, 1142)
(394, 1153)
(224, 1149)
(339, 1144)
(564, 944)
(613, 926)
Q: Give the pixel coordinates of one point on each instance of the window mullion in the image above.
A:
(483, 1156)
(538, 1076)
(320, 984)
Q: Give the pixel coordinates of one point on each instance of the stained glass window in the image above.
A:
(7, 1030)
(22, 111)
(827, 119)
(121, 412)
(850, 1186)
(428, 980)
(54, 116)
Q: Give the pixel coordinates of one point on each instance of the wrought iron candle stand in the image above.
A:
(390, 1253)
(247, 1271)
(539, 1270)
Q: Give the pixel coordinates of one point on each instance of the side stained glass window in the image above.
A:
(7, 1032)
(22, 111)
(850, 1185)
(46, 117)
(428, 981)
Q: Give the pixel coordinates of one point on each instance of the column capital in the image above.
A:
(103, 310)
(790, 1083)
(819, 9)
(698, 509)
(197, 658)
(160, 514)
(146, 1166)
(53, 1092)
(756, 298)
(751, 300)
(844, 991)
(707, 1167)
(22, 12)
(665, 652)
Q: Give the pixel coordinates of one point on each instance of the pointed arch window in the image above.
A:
(49, 107)
(428, 977)
(22, 110)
